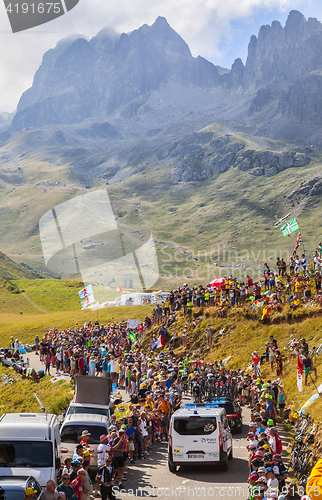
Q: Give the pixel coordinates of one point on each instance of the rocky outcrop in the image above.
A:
(194, 162)
(302, 102)
(312, 187)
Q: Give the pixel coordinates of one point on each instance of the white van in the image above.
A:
(71, 432)
(30, 446)
(199, 434)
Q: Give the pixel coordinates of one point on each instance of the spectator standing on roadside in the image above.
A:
(282, 397)
(105, 478)
(50, 493)
(65, 487)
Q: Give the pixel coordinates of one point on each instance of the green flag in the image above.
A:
(132, 337)
(290, 227)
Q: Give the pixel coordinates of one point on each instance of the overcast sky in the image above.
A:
(218, 30)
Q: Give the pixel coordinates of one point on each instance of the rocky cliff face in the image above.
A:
(80, 79)
(151, 70)
(284, 54)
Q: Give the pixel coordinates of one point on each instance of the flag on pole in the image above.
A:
(298, 241)
(299, 373)
(297, 244)
(85, 292)
(266, 311)
(290, 227)
(157, 344)
(88, 300)
(119, 289)
(132, 337)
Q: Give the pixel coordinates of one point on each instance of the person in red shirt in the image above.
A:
(81, 365)
(250, 285)
(78, 484)
(256, 364)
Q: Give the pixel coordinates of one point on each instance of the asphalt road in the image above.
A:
(151, 478)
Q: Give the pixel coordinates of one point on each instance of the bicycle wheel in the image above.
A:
(288, 344)
(318, 350)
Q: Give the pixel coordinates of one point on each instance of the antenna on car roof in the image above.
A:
(40, 403)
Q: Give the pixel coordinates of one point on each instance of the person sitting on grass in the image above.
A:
(308, 367)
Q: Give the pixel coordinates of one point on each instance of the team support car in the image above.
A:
(233, 412)
(199, 434)
(14, 487)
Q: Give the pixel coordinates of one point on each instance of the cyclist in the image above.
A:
(196, 390)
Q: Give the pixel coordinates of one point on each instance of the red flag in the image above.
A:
(300, 373)
(119, 289)
(162, 340)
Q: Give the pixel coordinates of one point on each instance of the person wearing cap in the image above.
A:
(269, 411)
(272, 481)
(252, 480)
(281, 471)
(76, 466)
(65, 487)
(29, 494)
(78, 453)
(84, 441)
(102, 450)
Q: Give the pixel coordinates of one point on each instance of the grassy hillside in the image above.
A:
(245, 333)
(227, 220)
(19, 396)
(12, 270)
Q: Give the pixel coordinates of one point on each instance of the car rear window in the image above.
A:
(229, 407)
(72, 433)
(195, 426)
(91, 411)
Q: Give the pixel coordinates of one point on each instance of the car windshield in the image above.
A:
(72, 433)
(26, 454)
(91, 411)
(195, 426)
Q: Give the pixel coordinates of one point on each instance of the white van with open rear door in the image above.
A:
(199, 434)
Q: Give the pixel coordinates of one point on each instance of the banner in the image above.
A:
(133, 323)
(299, 373)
